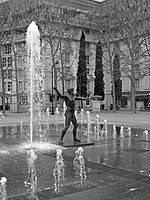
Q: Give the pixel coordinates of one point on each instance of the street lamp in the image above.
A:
(52, 113)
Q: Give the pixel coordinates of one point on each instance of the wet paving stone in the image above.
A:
(127, 196)
(123, 190)
(136, 150)
(51, 194)
(144, 140)
(21, 197)
(113, 171)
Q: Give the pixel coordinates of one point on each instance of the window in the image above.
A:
(9, 86)
(87, 70)
(21, 88)
(4, 62)
(87, 102)
(137, 67)
(9, 75)
(19, 60)
(87, 60)
(66, 45)
(88, 85)
(87, 46)
(5, 74)
(67, 59)
(82, 15)
(67, 69)
(57, 98)
(23, 100)
(5, 85)
(87, 31)
(88, 88)
(67, 84)
(137, 83)
(20, 73)
(20, 47)
(9, 61)
(7, 49)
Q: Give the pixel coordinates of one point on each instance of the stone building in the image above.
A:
(15, 54)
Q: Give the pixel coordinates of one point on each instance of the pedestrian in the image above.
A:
(70, 113)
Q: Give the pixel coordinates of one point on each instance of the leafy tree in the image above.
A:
(81, 73)
(132, 26)
(103, 23)
(57, 34)
(117, 76)
(4, 16)
(99, 75)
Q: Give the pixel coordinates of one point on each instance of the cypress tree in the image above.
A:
(99, 74)
(117, 76)
(81, 73)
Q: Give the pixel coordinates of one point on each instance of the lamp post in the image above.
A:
(52, 113)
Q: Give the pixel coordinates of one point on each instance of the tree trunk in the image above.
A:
(113, 86)
(63, 85)
(133, 102)
(16, 71)
(55, 83)
(3, 99)
(114, 95)
(62, 69)
(54, 77)
(3, 82)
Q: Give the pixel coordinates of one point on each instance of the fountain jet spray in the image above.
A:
(32, 178)
(34, 78)
(3, 191)
(88, 132)
(121, 132)
(79, 165)
(59, 171)
(129, 131)
(56, 118)
(82, 113)
(114, 131)
(146, 135)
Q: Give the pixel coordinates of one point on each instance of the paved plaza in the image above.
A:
(116, 167)
(140, 119)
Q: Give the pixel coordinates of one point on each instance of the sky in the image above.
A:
(2, 1)
(94, 0)
(99, 0)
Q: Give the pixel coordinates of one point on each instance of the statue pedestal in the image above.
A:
(96, 105)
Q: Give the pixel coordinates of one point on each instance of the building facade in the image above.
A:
(14, 55)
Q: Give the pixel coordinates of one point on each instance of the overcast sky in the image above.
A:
(99, 0)
(2, 1)
(94, 0)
